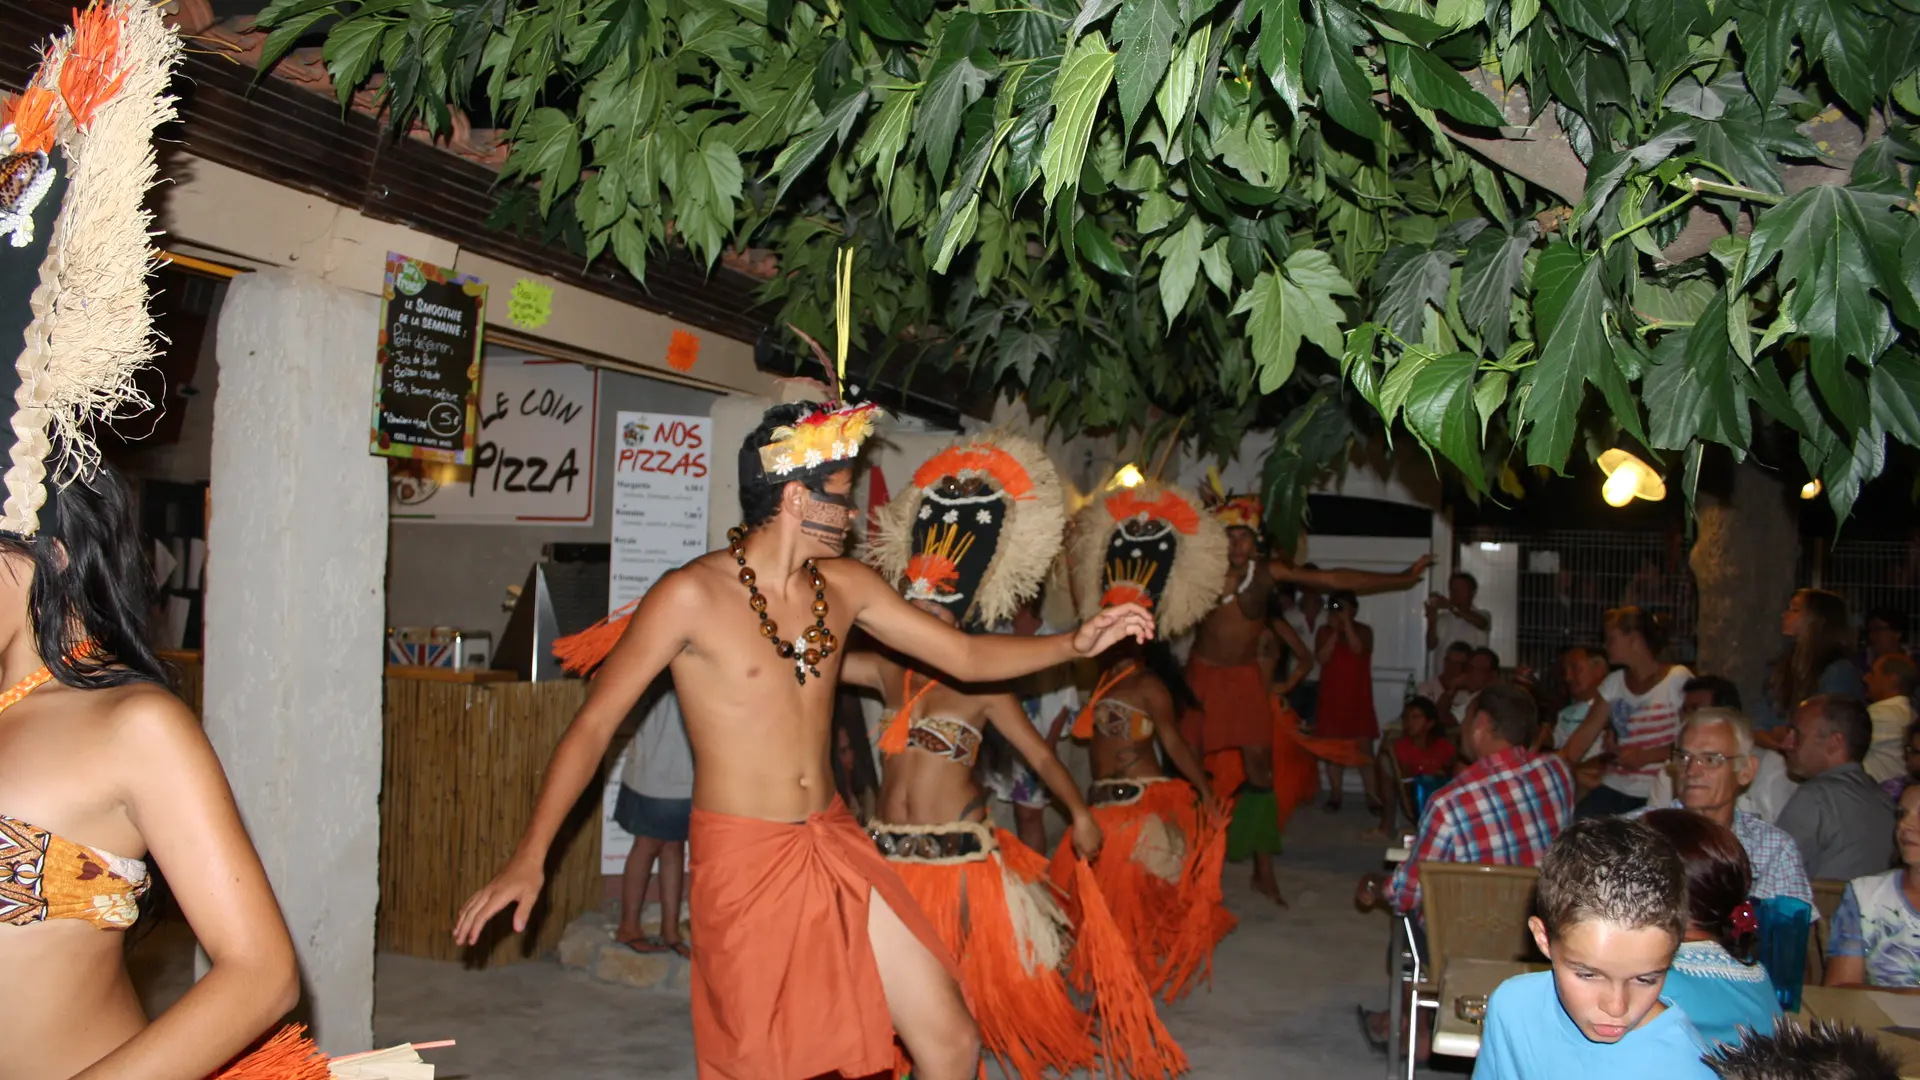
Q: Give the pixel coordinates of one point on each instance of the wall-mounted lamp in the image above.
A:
(1811, 489)
(1129, 476)
(1629, 478)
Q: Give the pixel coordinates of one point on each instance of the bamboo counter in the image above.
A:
(463, 758)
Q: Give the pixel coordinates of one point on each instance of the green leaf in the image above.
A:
(955, 81)
(1557, 381)
(1767, 29)
(1094, 243)
(1288, 306)
(1836, 31)
(962, 201)
(1283, 41)
(880, 19)
(1408, 283)
(1429, 81)
(1145, 31)
(630, 247)
(1555, 276)
(1489, 277)
(1397, 387)
(1345, 92)
(350, 51)
(886, 136)
(801, 152)
(1848, 471)
(290, 29)
(1440, 413)
(1594, 18)
(548, 147)
(1157, 211)
(1489, 394)
(1521, 15)
(1183, 75)
(1084, 78)
(1663, 26)
(1610, 374)
(1824, 245)
(1024, 145)
(1216, 265)
(1895, 395)
(1693, 391)
(1179, 265)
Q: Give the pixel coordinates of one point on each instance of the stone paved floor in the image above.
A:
(1282, 1003)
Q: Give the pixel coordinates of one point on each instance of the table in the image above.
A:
(1863, 1008)
(1453, 1036)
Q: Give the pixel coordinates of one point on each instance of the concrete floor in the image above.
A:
(1282, 1003)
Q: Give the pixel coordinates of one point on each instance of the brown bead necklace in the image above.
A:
(810, 648)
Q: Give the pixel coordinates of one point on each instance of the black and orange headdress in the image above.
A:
(1152, 545)
(976, 530)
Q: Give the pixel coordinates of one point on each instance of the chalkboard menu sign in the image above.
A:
(424, 401)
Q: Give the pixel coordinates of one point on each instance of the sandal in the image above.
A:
(646, 944)
(680, 949)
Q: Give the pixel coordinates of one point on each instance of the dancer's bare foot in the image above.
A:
(1270, 889)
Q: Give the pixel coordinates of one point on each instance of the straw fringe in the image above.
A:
(289, 1055)
(1133, 1041)
(91, 332)
(581, 653)
(1206, 921)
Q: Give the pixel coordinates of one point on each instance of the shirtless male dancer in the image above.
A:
(1225, 669)
(809, 955)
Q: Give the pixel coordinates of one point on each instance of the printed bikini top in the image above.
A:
(43, 876)
(947, 736)
(1119, 720)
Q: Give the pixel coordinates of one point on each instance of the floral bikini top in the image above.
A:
(43, 876)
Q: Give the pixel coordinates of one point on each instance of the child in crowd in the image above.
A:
(1583, 668)
(1420, 754)
(1613, 908)
(1824, 1050)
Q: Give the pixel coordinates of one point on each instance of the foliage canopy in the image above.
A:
(1505, 227)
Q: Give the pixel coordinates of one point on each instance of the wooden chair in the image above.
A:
(1472, 910)
(1826, 900)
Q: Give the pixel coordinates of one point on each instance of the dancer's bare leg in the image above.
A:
(929, 1013)
(673, 870)
(1258, 761)
(633, 887)
(1030, 824)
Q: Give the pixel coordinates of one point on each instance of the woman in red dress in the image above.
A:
(1344, 648)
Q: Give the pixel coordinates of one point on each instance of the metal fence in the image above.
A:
(1873, 575)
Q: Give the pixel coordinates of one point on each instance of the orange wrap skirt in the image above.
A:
(785, 986)
(1234, 710)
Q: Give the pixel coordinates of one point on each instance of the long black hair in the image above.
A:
(89, 602)
(1160, 660)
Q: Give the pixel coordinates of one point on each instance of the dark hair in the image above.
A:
(1459, 647)
(1489, 654)
(759, 493)
(1650, 625)
(1902, 668)
(1847, 717)
(93, 585)
(1513, 712)
(1425, 705)
(1725, 694)
(1821, 1050)
(1345, 598)
(1825, 637)
(1616, 870)
(1160, 660)
(848, 717)
(1719, 875)
(1466, 577)
(1896, 620)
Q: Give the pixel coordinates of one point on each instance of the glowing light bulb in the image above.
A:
(1129, 477)
(1619, 488)
(1811, 489)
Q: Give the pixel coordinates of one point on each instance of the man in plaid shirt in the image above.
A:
(1505, 808)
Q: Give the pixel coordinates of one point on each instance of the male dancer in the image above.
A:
(1225, 674)
(809, 955)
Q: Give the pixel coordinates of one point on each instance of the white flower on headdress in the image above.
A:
(1136, 553)
(783, 464)
(839, 451)
(1163, 545)
(814, 458)
(950, 517)
(984, 517)
(926, 511)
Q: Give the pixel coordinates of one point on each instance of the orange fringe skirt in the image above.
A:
(987, 896)
(1159, 874)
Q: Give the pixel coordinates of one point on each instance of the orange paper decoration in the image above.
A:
(31, 115)
(93, 72)
(682, 351)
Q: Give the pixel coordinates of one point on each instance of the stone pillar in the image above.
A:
(297, 552)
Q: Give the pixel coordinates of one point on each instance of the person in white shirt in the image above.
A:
(1642, 702)
(1453, 666)
(1453, 617)
(1891, 682)
(656, 805)
(1770, 788)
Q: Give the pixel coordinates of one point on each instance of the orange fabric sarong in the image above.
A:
(1233, 704)
(1297, 757)
(785, 986)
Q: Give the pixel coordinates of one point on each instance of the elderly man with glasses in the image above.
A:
(1713, 762)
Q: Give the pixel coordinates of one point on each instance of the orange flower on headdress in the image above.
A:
(978, 458)
(1127, 592)
(93, 71)
(31, 115)
(1169, 508)
(822, 436)
(1240, 512)
(935, 572)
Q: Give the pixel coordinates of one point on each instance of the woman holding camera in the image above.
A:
(1344, 647)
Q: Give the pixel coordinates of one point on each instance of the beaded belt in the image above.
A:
(960, 841)
(1122, 792)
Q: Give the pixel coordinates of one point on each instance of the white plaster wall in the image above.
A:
(297, 552)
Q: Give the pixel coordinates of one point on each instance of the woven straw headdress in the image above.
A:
(1152, 545)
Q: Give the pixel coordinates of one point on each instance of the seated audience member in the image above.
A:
(1482, 671)
(1820, 1050)
(1504, 808)
(1420, 754)
(1891, 682)
(1453, 671)
(1911, 774)
(1583, 668)
(1771, 786)
(1641, 702)
(1885, 634)
(1715, 979)
(1714, 761)
(1840, 819)
(1875, 939)
(1613, 908)
(1817, 658)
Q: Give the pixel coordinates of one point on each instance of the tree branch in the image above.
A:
(1537, 151)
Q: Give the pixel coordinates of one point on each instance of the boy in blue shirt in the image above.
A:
(1613, 908)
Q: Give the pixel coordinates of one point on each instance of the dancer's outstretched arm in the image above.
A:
(1361, 582)
(1005, 714)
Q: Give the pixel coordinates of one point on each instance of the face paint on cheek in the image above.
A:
(825, 517)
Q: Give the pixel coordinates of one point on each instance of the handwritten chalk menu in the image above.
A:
(533, 462)
(425, 397)
(660, 487)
